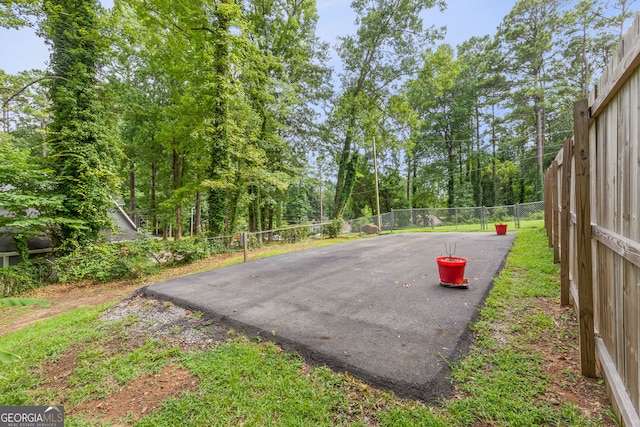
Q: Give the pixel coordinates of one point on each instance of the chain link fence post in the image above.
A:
(392, 221)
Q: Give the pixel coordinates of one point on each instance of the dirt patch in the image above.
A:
(141, 397)
(145, 319)
(561, 352)
(57, 372)
(559, 349)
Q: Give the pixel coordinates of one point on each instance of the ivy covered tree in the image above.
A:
(384, 49)
(83, 144)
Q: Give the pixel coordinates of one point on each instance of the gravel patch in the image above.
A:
(166, 321)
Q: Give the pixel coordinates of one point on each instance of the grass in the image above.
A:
(244, 381)
(470, 227)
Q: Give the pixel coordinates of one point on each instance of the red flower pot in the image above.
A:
(501, 228)
(451, 269)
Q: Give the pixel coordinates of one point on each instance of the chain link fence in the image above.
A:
(259, 239)
(447, 219)
(437, 219)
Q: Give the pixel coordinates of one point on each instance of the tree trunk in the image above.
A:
(271, 214)
(478, 174)
(253, 208)
(132, 193)
(154, 211)
(539, 113)
(409, 181)
(220, 162)
(176, 186)
(198, 220)
(345, 158)
(451, 170)
(5, 117)
(232, 212)
(493, 157)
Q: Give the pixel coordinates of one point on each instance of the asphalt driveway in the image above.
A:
(372, 307)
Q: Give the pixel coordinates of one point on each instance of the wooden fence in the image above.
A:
(591, 214)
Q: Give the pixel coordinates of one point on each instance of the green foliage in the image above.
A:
(295, 234)
(499, 215)
(28, 274)
(17, 13)
(129, 260)
(84, 149)
(187, 251)
(26, 196)
(6, 357)
(384, 48)
(104, 262)
(333, 229)
(297, 208)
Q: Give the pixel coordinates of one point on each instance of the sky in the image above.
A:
(23, 50)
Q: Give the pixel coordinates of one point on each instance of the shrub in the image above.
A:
(18, 278)
(500, 214)
(295, 234)
(334, 229)
(104, 262)
(187, 251)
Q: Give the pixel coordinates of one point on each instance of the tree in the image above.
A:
(383, 50)
(441, 97)
(287, 82)
(17, 13)
(25, 109)
(30, 209)
(588, 45)
(83, 144)
(481, 65)
(526, 35)
(626, 12)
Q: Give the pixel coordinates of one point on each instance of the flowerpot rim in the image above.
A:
(453, 259)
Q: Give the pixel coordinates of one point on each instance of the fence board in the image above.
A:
(624, 64)
(626, 271)
(583, 205)
(602, 225)
(617, 174)
(630, 319)
(617, 387)
(633, 272)
(623, 246)
(555, 212)
(565, 223)
(548, 206)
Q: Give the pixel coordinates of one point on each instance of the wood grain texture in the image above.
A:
(565, 226)
(583, 213)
